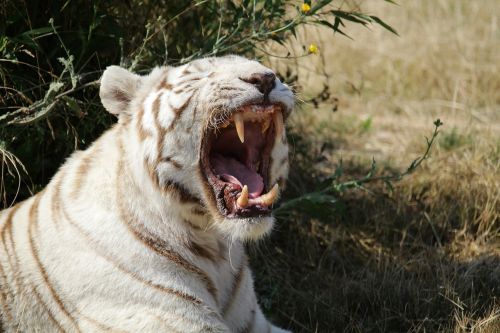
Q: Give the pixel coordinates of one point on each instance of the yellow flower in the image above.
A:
(305, 8)
(313, 49)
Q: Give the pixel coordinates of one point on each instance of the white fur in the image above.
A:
(74, 264)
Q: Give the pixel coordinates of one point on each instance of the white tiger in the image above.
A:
(143, 231)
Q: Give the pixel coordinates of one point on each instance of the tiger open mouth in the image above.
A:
(235, 160)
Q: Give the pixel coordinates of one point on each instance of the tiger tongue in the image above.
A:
(235, 172)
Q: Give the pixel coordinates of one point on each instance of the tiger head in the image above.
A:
(211, 131)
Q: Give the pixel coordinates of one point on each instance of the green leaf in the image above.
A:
(389, 186)
(348, 16)
(315, 204)
(336, 23)
(318, 5)
(73, 105)
(339, 170)
(68, 67)
(385, 25)
(327, 24)
(37, 32)
(336, 28)
(53, 90)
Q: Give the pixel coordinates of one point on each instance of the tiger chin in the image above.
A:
(143, 231)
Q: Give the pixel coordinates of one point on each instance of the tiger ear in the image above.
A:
(118, 88)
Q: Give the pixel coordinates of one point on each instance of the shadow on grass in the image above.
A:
(380, 264)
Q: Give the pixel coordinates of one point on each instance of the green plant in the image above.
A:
(324, 198)
(453, 139)
(366, 125)
(52, 54)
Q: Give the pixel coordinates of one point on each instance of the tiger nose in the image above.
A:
(265, 82)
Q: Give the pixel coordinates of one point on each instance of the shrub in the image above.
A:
(52, 54)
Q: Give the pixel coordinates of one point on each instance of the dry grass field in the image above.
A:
(425, 258)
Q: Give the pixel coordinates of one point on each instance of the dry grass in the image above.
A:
(427, 257)
(11, 167)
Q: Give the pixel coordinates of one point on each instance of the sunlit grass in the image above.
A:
(425, 257)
